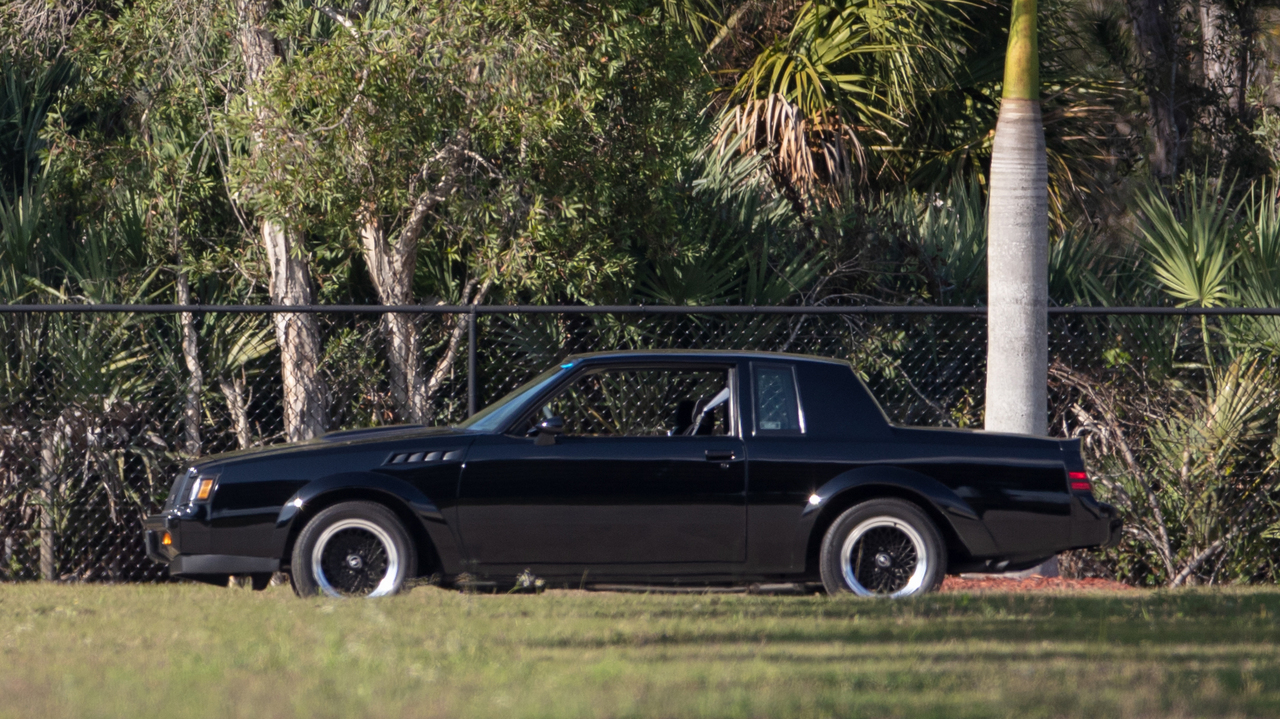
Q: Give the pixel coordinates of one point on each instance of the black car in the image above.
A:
(654, 467)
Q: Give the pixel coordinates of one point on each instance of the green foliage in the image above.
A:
(728, 261)
(501, 117)
(354, 370)
(1195, 471)
(1192, 240)
(952, 229)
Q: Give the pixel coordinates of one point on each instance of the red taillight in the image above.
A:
(1080, 481)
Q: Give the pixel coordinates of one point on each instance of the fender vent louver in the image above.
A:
(421, 457)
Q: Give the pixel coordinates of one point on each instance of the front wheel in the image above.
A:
(883, 548)
(353, 549)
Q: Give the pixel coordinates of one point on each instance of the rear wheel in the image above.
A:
(353, 549)
(883, 548)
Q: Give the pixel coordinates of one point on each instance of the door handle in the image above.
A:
(716, 455)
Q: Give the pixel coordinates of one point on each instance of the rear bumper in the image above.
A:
(1117, 529)
(1099, 527)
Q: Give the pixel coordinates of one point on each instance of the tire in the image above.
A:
(883, 548)
(353, 549)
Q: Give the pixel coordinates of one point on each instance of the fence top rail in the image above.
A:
(617, 309)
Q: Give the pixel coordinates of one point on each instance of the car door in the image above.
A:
(637, 477)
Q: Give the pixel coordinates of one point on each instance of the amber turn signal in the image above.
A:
(206, 487)
(167, 539)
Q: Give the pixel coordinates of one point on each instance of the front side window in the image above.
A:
(777, 409)
(497, 415)
(643, 403)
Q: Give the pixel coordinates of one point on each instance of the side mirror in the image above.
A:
(547, 430)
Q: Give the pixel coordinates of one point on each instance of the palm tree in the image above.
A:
(818, 99)
(1018, 242)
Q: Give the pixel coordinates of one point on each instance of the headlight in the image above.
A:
(181, 488)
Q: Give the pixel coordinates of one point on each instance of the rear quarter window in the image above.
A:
(777, 405)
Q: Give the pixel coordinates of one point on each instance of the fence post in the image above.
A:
(472, 388)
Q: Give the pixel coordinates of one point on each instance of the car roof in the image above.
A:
(701, 355)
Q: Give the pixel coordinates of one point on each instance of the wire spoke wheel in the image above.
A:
(884, 557)
(355, 558)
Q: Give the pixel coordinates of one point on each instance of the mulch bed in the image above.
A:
(1031, 584)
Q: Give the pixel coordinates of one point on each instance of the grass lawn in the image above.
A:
(190, 650)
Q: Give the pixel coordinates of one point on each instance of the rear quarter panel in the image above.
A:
(1016, 485)
(999, 495)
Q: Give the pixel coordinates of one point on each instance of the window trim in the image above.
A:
(755, 409)
(729, 368)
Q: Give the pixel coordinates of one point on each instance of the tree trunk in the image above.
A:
(1216, 49)
(53, 448)
(298, 335)
(391, 269)
(195, 375)
(1017, 254)
(1158, 48)
(48, 550)
(444, 367)
(1017, 272)
(238, 406)
(7, 568)
(1246, 22)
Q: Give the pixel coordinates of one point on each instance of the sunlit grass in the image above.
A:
(190, 650)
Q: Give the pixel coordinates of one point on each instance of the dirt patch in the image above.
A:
(1031, 584)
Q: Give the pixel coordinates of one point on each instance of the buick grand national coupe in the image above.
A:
(655, 467)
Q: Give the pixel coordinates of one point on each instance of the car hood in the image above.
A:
(346, 438)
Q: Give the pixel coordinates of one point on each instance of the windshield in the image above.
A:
(498, 415)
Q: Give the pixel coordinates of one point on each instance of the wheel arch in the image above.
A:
(411, 507)
(963, 533)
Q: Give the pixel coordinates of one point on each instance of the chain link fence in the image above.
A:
(103, 405)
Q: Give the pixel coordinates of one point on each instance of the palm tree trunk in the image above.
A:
(298, 335)
(1017, 254)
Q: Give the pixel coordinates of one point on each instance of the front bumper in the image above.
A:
(155, 528)
(205, 564)
(192, 564)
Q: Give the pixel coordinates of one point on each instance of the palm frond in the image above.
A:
(844, 72)
(1192, 241)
